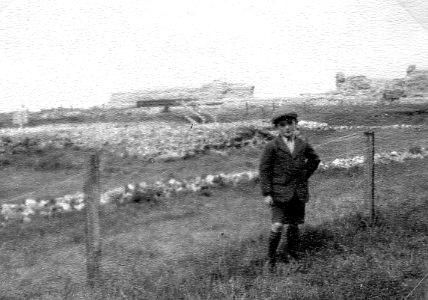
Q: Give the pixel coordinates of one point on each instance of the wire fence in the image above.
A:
(353, 144)
(57, 184)
(346, 146)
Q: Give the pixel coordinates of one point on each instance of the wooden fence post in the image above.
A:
(273, 108)
(91, 191)
(246, 108)
(165, 109)
(20, 118)
(370, 173)
(263, 112)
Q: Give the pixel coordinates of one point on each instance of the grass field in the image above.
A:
(61, 171)
(198, 247)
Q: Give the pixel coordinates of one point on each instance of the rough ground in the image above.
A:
(43, 256)
(45, 259)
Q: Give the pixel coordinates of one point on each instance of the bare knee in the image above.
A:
(277, 227)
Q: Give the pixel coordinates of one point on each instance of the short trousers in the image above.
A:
(290, 212)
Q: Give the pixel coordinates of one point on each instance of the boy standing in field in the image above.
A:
(286, 164)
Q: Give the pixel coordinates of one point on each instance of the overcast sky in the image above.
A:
(76, 53)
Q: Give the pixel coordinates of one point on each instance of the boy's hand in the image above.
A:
(268, 200)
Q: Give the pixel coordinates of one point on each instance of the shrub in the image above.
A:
(415, 150)
(4, 161)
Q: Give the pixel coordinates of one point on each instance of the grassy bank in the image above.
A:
(199, 247)
(344, 260)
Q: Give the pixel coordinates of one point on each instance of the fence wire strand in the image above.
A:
(339, 139)
(414, 289)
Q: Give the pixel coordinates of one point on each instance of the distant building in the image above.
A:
(213, 91)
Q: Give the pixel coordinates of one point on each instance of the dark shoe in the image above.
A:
(295, 254)
(272, 265)
(283, 258)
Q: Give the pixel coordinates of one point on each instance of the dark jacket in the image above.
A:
(282, 173)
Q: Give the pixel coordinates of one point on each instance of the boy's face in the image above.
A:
(287, 128)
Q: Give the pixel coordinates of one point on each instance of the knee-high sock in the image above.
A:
(274, 239)
(293, 237)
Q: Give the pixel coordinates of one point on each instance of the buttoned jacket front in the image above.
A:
(284, 174)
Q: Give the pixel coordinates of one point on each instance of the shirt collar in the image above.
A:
(292, 139)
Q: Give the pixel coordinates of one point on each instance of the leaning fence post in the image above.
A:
(370, 173)
(91, 191)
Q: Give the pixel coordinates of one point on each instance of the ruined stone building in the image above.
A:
(413, 84)
(214, 91)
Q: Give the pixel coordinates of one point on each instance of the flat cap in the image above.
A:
(284, 117)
